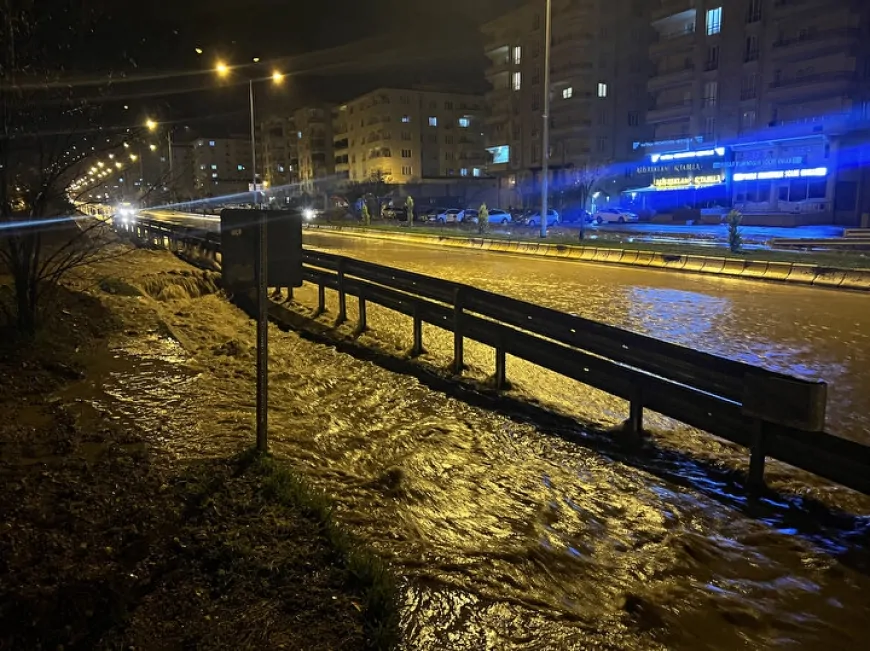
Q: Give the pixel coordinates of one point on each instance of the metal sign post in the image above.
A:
(262, 337)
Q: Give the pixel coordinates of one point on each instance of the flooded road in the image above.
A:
(510, 538)
(797, 330)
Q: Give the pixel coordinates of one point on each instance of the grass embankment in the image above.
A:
(107, 544)
(557, 235)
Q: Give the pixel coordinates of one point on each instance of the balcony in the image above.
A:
(498, 64)
(571, 68)
(671, 41)
(822, 83)
(835, 40)
(667, 8)
(783, 8)
(666, 112)
(672, 77)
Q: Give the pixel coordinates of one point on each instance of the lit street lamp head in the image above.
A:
(277, 77)
(151, 124)
(222, 69)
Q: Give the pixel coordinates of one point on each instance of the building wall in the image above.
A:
(412, 134)
(315, 145)
(775, 80)
(598, 67)
(278, 156)
(221, 166)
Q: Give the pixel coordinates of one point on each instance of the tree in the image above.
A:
(583, 181)
(366, 215)
(51, 132)
(735, 236)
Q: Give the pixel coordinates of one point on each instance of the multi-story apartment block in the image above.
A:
(221, 166)
(598, 69)
(314, 132)
(408, 135)
(761, 104)
(340, 142)
(278, 155)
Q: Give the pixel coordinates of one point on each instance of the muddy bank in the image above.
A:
(108, 541)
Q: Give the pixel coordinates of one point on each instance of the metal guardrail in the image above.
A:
(772, 414)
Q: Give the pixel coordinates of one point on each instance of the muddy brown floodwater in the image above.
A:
(512, 538)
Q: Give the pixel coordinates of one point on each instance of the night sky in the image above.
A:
(333, 49)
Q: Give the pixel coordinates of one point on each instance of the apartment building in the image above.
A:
(278, 155)
(760, 104)
(221, 166)
(314, 146)
(599, 68)
(340, 142)
(408, 135)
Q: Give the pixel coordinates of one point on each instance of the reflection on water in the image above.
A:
(511, 539)
(798, 330)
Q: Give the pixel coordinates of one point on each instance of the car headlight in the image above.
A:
(308, 213)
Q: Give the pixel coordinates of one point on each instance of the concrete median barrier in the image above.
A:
(797, 273)
(753, 269)
(778, 271)
(733, 267)
(828, 277)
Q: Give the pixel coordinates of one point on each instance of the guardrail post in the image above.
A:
(635, 415)
(500, 368)
(417, 347)
(362, 326)
(757, 458)
(458, 339)
(321, 298)
(342, 297)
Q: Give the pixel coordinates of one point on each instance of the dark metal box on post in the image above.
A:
(260, 249)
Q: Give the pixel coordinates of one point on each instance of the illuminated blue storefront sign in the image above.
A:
(807, 172)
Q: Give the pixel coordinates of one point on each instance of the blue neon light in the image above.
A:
(683, 155)
(807, 172)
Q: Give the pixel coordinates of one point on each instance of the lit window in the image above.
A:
(202, 167)
(211, 143)
(240, 167)
(214, 175)
(475, 171)
(433, 121)
(406, 118)
(464, 122)
(714, 21)
(518, 80)
(299, 135)
(518, 54)
(568, 93)
(280, 168)
(602, 89)
(463, 171)
(214, 167)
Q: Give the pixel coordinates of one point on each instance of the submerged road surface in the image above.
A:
(512, 538)
(804, 331)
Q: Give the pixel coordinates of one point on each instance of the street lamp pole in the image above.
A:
(253, 144)
(545, 153)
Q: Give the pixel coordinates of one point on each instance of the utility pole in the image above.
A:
(545, 166)
(253, 145)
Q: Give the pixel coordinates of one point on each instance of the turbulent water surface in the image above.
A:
(513, 538)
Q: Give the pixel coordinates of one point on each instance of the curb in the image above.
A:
(795, 273)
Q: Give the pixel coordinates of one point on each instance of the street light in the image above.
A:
(151, 124)
(152, 147)
(277, 78)
(545, 164)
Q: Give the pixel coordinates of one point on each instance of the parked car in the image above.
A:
(400, 213)
(614, 216)
(499, 216)
(430, 214)
(469, 215)
(534, 219)
(449, 216)
(575, 216)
